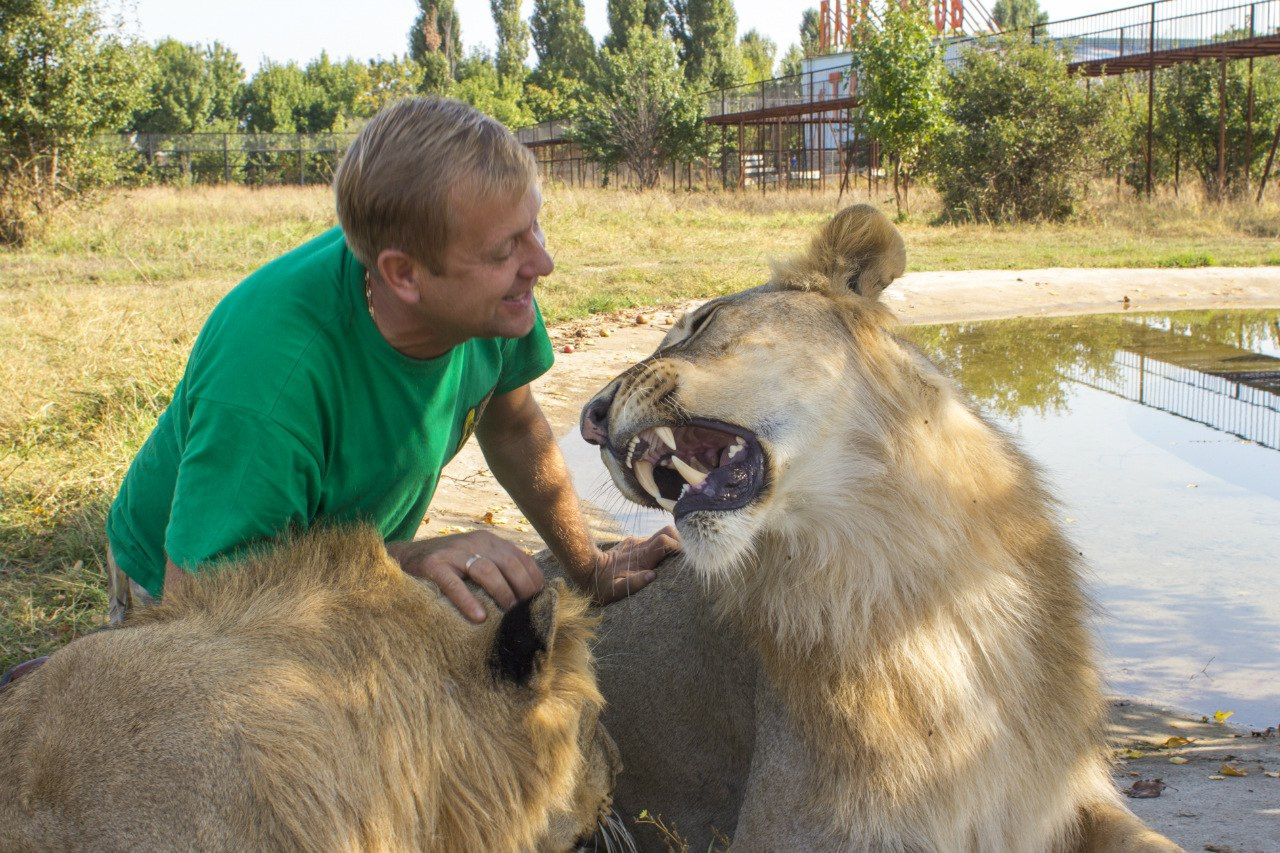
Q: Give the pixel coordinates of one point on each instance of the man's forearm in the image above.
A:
(530, 467)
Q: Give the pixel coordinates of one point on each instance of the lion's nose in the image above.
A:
(595, 420)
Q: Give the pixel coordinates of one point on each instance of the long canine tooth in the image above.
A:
(667, 504)
(667, 435)
(692, 475)
(644, 475)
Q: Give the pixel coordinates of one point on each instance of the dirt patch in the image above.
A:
(1200, 805)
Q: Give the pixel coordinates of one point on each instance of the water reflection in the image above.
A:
(1158, 432)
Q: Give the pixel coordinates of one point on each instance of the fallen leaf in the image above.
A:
(1177, 759)
(487, 518)
(1220, 717)
(1272, 775)
(1175, 741)
(1145, 789)
(1228, 770)
(1130, 753)
(642, 319)
(1217, 778)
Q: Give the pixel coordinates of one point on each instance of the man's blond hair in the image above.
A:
(394, 185)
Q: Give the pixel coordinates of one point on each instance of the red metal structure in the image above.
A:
(838, 20)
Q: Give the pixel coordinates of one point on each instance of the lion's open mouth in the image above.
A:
(701, 465)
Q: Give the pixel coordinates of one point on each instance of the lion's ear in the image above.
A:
(524, 637)
(858, 250)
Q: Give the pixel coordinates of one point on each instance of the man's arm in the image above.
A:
(521, 451)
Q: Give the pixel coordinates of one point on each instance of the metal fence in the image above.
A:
(251, 158)
(1243, 405)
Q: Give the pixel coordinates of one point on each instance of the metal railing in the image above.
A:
(1237, 405)
(1156, 27)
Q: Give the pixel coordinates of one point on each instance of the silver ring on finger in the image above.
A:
(467, 565)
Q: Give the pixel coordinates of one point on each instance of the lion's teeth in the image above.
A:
(736, 449)
(692, 475)
(631, 449)
(667, 504)
(667, 435)
(644, 475)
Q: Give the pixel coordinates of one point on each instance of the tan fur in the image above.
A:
(314, 698)
(898, 659)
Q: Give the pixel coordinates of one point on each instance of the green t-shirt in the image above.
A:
(292, 408)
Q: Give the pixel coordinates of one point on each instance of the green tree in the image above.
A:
(901, 77)
(66, 74)
(1188, 109)
(562, 42)
(226, 77)
(478, 85)
(792, 61)
(389, 80)
(332, 89)
(810, 32)
(513, 39)
(436, 32)
(181, 93)
(1021, 137)
(712, 59)
(758, 52)
(642, 111)
(626, 15)
(1018, 14)
(276, 100)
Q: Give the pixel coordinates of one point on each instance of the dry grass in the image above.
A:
(97, 319)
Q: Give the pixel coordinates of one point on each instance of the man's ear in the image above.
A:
(400, 272)
(524, 638)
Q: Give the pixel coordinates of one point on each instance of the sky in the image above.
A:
(284, 30)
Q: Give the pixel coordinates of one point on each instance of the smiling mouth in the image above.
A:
(698, 466)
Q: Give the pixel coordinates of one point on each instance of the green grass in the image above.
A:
(96, 321)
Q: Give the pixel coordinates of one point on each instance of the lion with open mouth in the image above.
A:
(876, 637)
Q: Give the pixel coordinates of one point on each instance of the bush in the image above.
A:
(66, 75)
(1020, 135)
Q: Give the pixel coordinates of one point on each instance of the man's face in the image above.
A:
(493, 260)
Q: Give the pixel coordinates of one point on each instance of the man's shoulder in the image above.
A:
(269, 322)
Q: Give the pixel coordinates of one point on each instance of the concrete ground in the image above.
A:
(1219, 791)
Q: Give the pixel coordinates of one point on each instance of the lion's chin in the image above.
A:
(716, 544)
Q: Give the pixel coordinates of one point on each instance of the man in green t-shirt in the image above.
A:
(336, 382)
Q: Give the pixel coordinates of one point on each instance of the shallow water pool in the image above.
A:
(1161, 436)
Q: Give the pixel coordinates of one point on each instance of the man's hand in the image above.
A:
(628, 566)
(501, 569)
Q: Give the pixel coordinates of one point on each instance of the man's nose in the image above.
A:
(540, 264)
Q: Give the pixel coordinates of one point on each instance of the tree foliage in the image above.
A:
(900, 77)
(1021, 137)
(561, 40)
(1018, 14)
(758, 52)
(626, 15)
(1187, 115)
(389, 80)
(642, 111)
(479, 85)
(792, 62)
(513, 39)
(436, 32)
(65, 75)
(709, 44)
(810, 32)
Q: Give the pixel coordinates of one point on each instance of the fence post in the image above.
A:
(226, 159)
